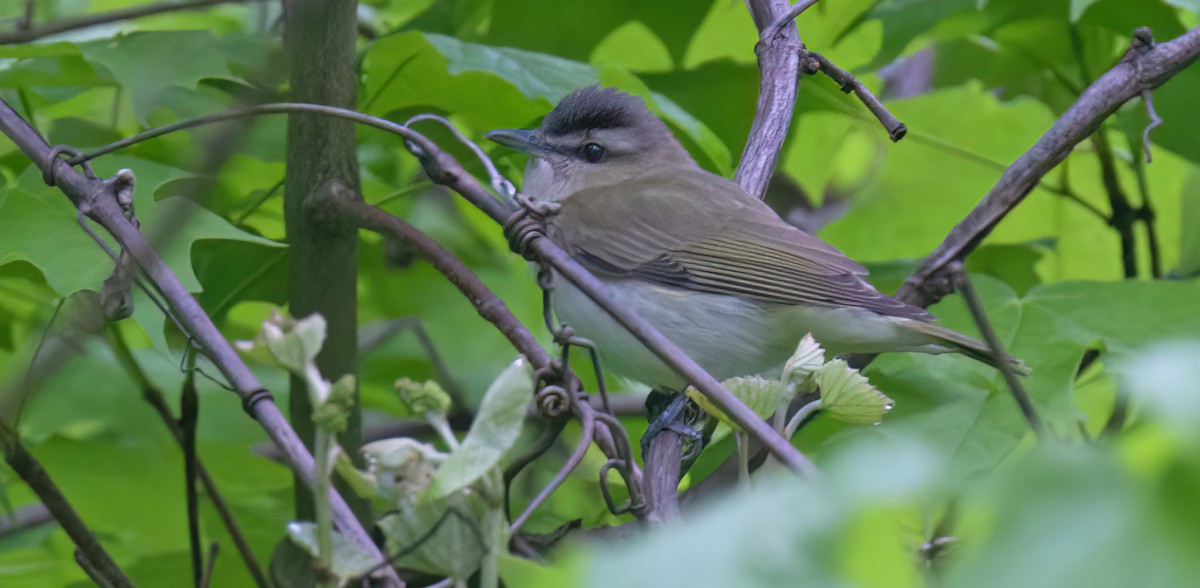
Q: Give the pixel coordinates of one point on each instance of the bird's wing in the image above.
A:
(679, 231)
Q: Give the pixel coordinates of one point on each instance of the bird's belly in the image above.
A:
(727, 336)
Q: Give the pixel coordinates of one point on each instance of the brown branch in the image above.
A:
(1143, 68)
(779, 75)
(1122, 216)
(848, 83)
(91, 196)
(663, 459)
(38, 480)
(32, 33)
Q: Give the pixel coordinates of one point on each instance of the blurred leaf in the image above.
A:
(348, 561)
(147, 63)
(495, 429)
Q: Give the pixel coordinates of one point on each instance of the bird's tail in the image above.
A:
(975, 349)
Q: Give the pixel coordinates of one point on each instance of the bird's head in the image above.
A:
(595, 136)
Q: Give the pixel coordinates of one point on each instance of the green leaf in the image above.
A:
(1164, 378)
(808, 357)
(294, 344)
(457, 545)
(39, 226)
(1078, 7)
(848, 396)
(759, 394)
(147, 63)
(349, 561)
(494, 431)
(536, 75)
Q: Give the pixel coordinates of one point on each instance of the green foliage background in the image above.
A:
(1116, 513)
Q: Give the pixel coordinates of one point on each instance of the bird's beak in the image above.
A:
(519, 139)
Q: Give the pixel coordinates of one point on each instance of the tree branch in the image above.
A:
(1143, 68)
(91, 195)
(32, 33)
(38, 480)
(779, 77)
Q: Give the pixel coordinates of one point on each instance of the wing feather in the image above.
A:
(680, 231)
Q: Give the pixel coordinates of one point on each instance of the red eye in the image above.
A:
(593, 152)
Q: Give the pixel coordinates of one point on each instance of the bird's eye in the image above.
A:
(592, 152)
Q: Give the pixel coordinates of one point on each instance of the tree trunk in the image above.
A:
(321, 153)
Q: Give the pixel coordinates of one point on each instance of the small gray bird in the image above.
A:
(713, 268)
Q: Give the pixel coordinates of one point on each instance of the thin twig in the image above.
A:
(154, 397)
(1141, 69)
(1122, 216)
(38, 480)
(94, 574)
(213, 551)
(896, 129)
(985, 327)
(25, 35)
(189, 413)
(1145, 213)
(795, 11)
(585, 441)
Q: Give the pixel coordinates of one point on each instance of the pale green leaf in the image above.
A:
(494, 431)
(759, 394)
(349, 561)
(809, 356)
(848, 396)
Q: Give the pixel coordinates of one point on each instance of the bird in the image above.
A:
(713, 268)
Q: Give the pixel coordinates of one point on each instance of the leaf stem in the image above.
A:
(321, 446)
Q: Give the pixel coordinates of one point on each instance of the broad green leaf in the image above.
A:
(848, 396)
(349, 561)
(1189, 242)
(634, 47)
(39, 226)
(574, 33)
(518, 571)
(536, 75)
(1165, 379)
(147, 63)
(495, 429)
(1078, 7)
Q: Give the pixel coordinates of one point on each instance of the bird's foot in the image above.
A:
(670, 411)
